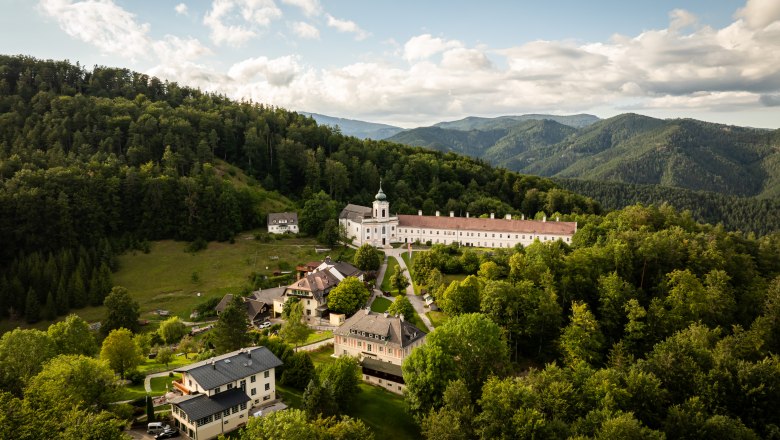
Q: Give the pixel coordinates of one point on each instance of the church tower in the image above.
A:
(381, 205)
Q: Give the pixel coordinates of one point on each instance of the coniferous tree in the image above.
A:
(32, 308)
(229, 333)
(50, 308)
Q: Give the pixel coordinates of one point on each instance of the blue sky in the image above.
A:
(417, 63)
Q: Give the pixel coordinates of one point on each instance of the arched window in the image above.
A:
(383, 213)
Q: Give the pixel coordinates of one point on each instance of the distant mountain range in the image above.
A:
(628, 148)
(353, 127)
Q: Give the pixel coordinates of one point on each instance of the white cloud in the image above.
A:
(100, 23)
(256, 14)
(278, 72)
(181, 9)
(305, 30)
(347, 26)
(760, 13)
(310, 8)
(425, 46)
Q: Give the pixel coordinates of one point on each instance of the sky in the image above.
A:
(415, 63)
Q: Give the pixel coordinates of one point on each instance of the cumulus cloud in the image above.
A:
(181, 9)
(347, 26)
(305, 30)
(101, 23)
(250, 15)
(760, 13)
(279, 72)
(310, 8)
(425, 46)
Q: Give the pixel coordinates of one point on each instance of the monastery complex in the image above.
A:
(376, 226)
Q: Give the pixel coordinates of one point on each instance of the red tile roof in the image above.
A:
(487, 224)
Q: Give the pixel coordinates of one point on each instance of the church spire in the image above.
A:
(380, 195)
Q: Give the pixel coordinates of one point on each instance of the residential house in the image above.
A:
(220, 393)
(283, 222)
(312, 287)
(381, 342)
(258, 305)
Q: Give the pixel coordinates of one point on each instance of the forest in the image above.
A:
(650, 325)
(99, 161)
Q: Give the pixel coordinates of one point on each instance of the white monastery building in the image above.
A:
(376, 226)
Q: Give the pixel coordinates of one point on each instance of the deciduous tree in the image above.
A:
(120, 351)
(348, 297)
(367, 258)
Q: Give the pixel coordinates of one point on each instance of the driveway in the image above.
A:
(416, 300)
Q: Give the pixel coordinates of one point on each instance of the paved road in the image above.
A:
(315, 346)
(148, 380)
(417, 301)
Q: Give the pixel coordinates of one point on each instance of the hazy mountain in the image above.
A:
(353, 127)
(477, 123)
(628, 148)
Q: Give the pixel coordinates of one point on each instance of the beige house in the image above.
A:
(220, 393)
(381, 342)
(313, 288)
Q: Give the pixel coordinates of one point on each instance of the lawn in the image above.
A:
(378, 408)
(417, 322)
(437, 318)
(408, 260)
(161, 385)
(448, 278)
(380, 305)
(317, 336)
(151, 366)
(392, 263)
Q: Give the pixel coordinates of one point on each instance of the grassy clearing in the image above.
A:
(380, 304)
(437, 318)
(417, 322)
(170, 278)
(448, 278)
(322, 356)
(392, 263)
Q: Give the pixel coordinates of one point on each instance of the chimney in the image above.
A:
(368, 311)
(437, 213)
(509, 216)
(544, 219)
(492, 215)
(213, 365)
(419, 212)
(401, 316)
(387, 314)
(452, 213)
(522, 216)
(557, 218)
(249, 353)
(467, 214)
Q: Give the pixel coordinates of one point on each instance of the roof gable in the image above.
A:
(231, 367)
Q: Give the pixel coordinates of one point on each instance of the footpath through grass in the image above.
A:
(378, 408)
(392, 264)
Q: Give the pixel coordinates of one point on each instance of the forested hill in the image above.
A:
(628, 148)
(95, 161)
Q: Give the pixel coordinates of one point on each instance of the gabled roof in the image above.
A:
(268, 295)
(356, 213)
(318, 283)
(487, 224)
(367, 323)
(252, 306)
(231, 367)
(200, 405)
(284, 218)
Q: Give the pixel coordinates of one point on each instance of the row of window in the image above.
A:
(368, 335)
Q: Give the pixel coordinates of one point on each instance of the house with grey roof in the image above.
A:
(283, 222)
(258, 305)
(381, 342)
(312, 288)
(220, 393)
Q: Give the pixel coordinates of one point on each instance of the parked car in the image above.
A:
(156, 428)
(265, 324)
(168, 433)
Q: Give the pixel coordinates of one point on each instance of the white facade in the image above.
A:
(283, 222)
(203, 412)
(377, 227)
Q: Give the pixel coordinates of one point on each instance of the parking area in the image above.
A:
(140, 434)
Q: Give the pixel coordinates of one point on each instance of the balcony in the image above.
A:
(180, 386)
